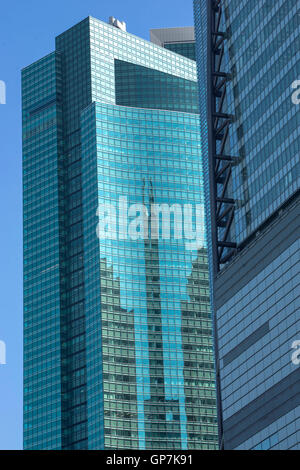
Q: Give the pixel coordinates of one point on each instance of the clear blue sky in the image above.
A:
(27, 32)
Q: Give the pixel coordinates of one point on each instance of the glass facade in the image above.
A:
(267, 306)
(256, 295)
(118, 340)
(263, 55)
(161, 306)
(143, 87)
(187, 49)
(42, 183)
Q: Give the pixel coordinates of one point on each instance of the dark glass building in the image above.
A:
(248, 57)
(117, 325)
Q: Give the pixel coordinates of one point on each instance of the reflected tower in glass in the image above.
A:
(118, 349)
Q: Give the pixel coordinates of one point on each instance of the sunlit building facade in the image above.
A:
(118, 347)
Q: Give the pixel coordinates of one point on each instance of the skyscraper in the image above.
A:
(179, 40)
(248, 58)
(117, 324)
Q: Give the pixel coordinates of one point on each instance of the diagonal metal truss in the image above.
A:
(224, 204)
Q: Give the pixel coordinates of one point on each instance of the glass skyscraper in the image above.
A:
(248, 56)
(117, 328)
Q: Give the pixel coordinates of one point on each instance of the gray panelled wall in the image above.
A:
(257, 307)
